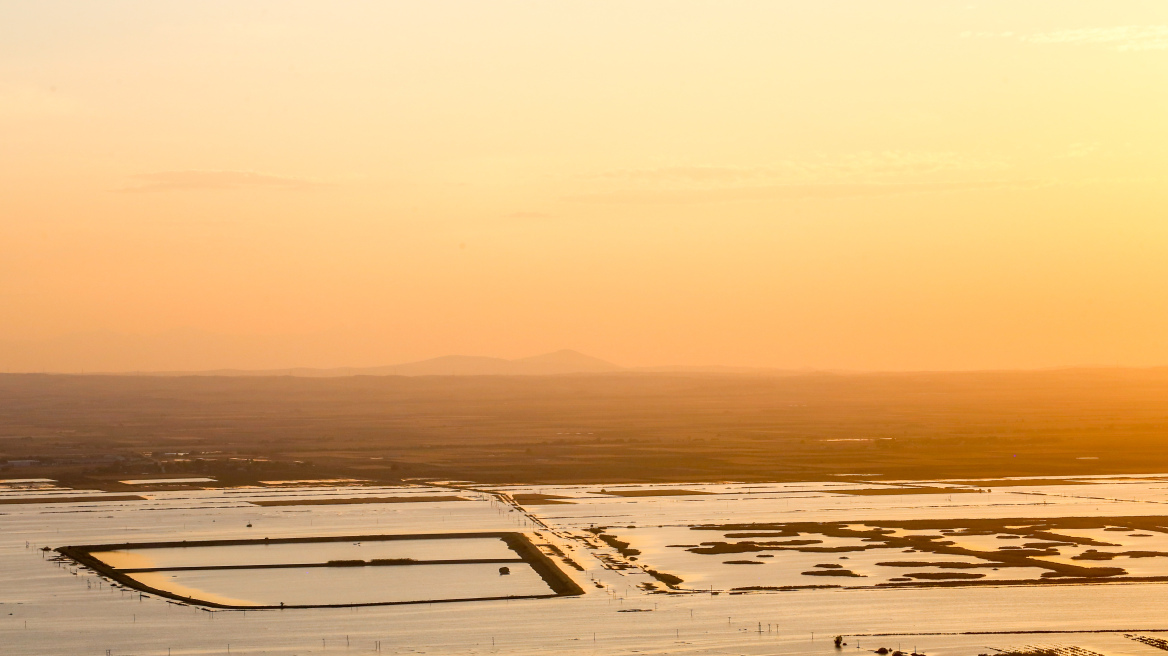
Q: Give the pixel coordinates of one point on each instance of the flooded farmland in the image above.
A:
(340, 586)
(937, 567)
(310, 552)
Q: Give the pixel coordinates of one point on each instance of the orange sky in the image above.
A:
(856, 185)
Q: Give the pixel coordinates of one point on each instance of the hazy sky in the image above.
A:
(862, 185)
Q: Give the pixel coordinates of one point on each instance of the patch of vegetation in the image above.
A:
(668, 579)
(832, 572)
(944, 576)
(621, 546)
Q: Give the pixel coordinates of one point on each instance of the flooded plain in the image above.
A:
(311, 552)
(1066, 564)
(320, 586)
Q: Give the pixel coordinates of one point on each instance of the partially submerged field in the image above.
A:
(947, 514)
(657, 565)
(331, 571)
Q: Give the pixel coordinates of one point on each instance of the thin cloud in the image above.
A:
(1124, 38)
(1082, 149)
(896, 162)
(863, 173)
(527, 215)
(688, 174)
(791, 192)
(812, 169)
(212, 180)
(1127, 38)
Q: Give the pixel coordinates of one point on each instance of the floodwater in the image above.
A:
(303, 553)
(666, 549)
(350, 585)
(167, 481)
(55, 608)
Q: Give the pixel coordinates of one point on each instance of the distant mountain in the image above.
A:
(194, 352)
(564, 360)
(560, 362)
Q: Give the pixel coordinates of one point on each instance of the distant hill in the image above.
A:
(198, 353)
(191, 352)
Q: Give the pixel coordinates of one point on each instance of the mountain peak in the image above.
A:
(569, 358)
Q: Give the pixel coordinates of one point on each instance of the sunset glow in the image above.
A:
(828, 185)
